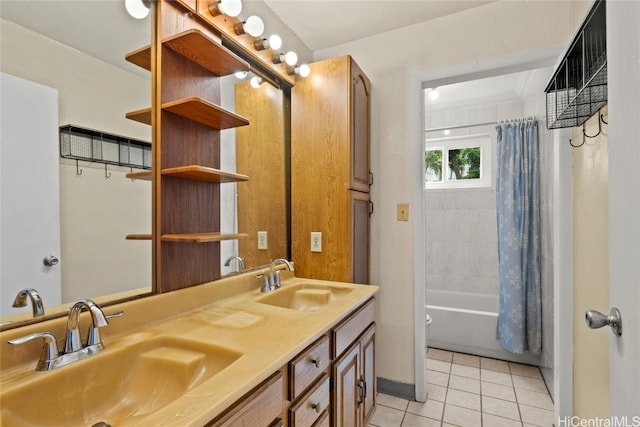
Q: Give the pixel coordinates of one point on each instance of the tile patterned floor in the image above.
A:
(471, 391)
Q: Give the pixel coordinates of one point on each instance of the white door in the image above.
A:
(623, 61)
(29, 192)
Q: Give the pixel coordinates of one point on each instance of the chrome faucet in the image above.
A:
(36, 301)
(274, 275)
(240, 261)
(98, 320)
(74, 350)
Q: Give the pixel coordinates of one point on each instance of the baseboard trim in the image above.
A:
(395, 388)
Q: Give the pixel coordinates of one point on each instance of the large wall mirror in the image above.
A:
(78, 48)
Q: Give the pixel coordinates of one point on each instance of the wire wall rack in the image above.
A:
(578, 88)
(94, 146)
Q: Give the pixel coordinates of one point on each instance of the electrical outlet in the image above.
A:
(403, 211)
(316, 241)
(262, 240)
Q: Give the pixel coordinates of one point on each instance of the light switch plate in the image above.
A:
(316, 241)
(262, 240)
(403, 211)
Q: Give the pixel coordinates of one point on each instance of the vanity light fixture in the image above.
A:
(433, 93)
(255, 82)
(225, 7)
(273, 42)
(289, 58)
(303, 70)
(252, 26)
(138, 9)
(240, 74)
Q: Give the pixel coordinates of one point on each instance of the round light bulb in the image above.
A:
(275, 42)
(291, 58)
(304, 70)
(447, 132)
(230, 7)
(433, 94)
(254, 26)
(241, 74)
(136, 8)
(255, 82)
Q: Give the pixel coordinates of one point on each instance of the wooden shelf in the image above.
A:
(143, 116)
(201, 237)
(202, 173)
(197, 47)
(140, 57)
(141, 175)
(196, 109)
(204, 112)
(138, 237)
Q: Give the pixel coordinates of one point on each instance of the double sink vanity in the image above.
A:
(223, 353)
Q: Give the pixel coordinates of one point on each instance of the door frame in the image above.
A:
(563, 212)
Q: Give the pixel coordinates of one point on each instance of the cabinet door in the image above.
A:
(368, 345)
(359, 236)
(359, 129)
(346, 393)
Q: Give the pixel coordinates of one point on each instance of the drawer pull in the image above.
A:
(317, 407)
(316, 361)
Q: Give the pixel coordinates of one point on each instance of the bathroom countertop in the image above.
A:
(265, 336)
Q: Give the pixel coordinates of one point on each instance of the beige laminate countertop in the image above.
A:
(267, 337)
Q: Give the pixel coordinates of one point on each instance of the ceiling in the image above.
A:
(325, 23)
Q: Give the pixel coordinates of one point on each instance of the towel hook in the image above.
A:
(105, 172)
(78, 170)
(599, 129)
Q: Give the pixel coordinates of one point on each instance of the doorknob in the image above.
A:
(50, 261)
(596, 320)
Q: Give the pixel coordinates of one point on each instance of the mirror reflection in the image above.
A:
(78, 49)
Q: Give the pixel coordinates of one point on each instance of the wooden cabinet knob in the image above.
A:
(317, 407)
(316, 361)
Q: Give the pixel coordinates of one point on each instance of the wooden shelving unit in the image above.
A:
(186, 59)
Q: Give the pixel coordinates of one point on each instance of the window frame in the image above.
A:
(445, 144)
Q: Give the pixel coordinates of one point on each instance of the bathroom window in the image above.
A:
(458, 162)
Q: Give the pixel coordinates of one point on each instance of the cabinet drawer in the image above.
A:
(323, 421)
(308, 366)
(350, 329)
(309, 409)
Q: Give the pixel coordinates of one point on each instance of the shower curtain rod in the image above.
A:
(472, 125)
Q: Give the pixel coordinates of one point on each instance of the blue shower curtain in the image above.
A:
(518, 202)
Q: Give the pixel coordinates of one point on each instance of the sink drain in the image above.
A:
(101, 424)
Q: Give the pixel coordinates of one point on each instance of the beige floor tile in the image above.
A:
(494, 365)
(527, 383)
(465, 384)
(465, 371)
(466, 359)
(387, 417)
(525, 370)
(532, 398)
(438, 365)
(501, 408)
(436, 392)
(498, 391)
(444, 355)
(392, 401)
(536, 416)
(411, 420)
(448, 425)
(496, 377)
(438, 378)
(430, 409)
(462, 417)
(489, 420)
(463, 399)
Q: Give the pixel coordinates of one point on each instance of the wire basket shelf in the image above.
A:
(578, 88)
(94, 146)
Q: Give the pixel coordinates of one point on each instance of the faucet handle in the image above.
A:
(49, 349)
(265, 283)
(93, 338)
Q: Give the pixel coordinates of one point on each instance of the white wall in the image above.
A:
(96, 213)
(489, 36)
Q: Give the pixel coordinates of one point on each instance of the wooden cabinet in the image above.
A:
(353, 372)
(330, 171)
(186, 59)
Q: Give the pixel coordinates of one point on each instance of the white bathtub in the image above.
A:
(466, 323)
